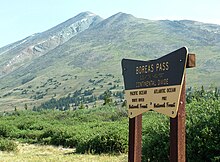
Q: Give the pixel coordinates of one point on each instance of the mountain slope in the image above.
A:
(19, 53)
(90, 60)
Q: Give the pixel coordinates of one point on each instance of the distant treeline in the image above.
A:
(193, 94)
(86, 98)
(81, 99)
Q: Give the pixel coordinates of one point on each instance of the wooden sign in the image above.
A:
(155, 84)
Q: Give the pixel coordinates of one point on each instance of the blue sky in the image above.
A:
(21, 18)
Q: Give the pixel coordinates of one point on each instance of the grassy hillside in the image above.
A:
(97, 52)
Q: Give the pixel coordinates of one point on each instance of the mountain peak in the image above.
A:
(118, 18)
(86, 13)
(123, 15)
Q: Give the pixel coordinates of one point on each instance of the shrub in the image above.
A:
(59, 136)
(7, 145)
(24, 125)
(202, 133)
(5, 130)
(155, 137)
(203, 140)
(46, 136)
(112, 140)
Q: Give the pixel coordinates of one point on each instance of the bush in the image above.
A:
(155, 145)
(29, 136)
(24, 125)
(202, 132)
(7, 145)
(62, 137)
(5, 130)
(203, 140)
(59, 136)
(111, 141)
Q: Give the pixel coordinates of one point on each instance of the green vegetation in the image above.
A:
(7, 145)
(203, 114)
(202, 129)
(88, 130)
(104, 129)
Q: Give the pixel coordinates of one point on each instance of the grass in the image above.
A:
(36, 153)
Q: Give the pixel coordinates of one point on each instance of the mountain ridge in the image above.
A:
(90, 60)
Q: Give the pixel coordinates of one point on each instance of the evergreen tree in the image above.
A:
(107, 98)
(123, 103)
(34, 108)
(25, 106)
(81, 106)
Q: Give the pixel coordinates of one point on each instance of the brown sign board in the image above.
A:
(155, 84)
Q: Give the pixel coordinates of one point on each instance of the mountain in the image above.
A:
(84, 53)
(36, 45)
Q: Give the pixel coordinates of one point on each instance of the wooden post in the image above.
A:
(177, 131)
(177, 124)
(135, 139)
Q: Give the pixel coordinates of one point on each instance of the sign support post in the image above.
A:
(178, 124)
(177, 130)
(135, 139)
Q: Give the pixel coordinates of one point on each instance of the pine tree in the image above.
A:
(34, 108)
(123, 103)
(25, 106)
(81, 106)
(107, 98)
